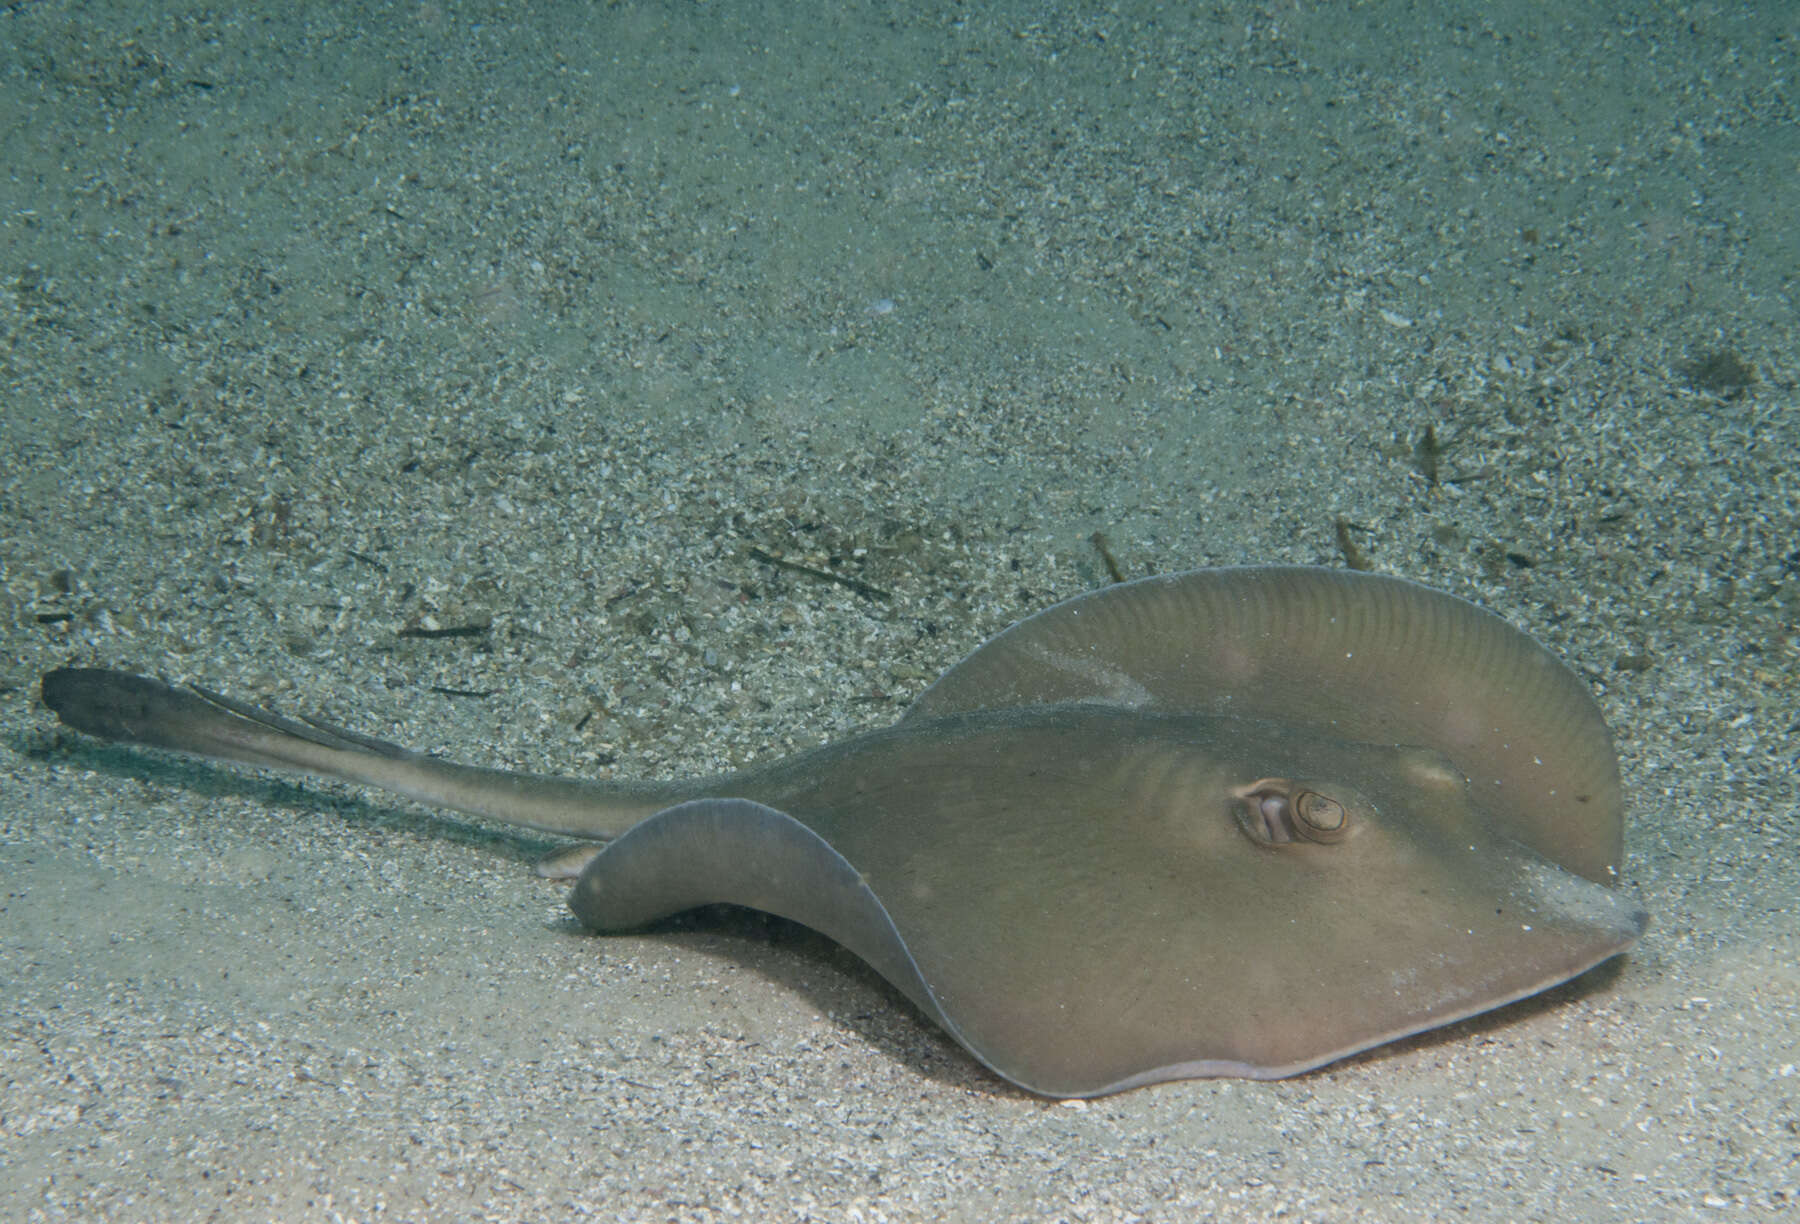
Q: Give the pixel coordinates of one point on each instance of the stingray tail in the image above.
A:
(117, 705)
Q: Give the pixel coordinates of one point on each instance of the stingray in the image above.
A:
(1231, 822)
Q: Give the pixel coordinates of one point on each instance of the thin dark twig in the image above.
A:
(855, 584)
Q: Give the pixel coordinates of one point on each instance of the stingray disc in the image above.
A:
(1357, 656)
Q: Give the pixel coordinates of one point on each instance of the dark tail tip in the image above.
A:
(112, 704)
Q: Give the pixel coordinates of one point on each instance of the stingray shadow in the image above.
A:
(804, 963)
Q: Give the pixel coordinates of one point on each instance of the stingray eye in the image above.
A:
(1319, 817)
(1283, 812)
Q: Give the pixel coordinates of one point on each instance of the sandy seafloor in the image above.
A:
(327, 324)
